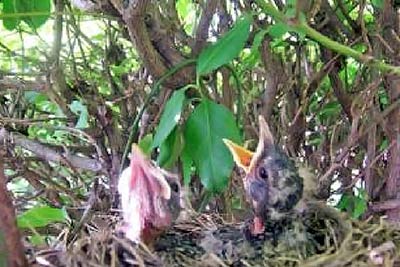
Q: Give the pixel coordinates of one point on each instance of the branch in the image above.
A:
(158, 55)
(385, 205)
(204, 26)
(303, 27)
(10, 239)
(17, 84)
(48, 154)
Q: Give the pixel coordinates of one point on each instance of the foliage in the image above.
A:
(222, 52)
(40, 217)
(34, 13)
(170, 117)
(355, 205)
(206, 127)
(74, 90)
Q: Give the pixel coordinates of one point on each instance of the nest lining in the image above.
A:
(321, 236)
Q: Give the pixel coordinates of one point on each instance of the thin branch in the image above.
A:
(302, 26)
(10, 241)
(204, 25)
(49, 154)
(17, 84)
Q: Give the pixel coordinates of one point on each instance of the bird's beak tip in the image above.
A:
(136, 149)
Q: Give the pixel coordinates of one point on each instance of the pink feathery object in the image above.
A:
(150, 198)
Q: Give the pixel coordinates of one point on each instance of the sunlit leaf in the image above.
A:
(79, 109)
(9, 8)
(355, 205)
(206, 127)
(186, 10)
(41, 216)
(183, 7)
(37, 240)
(226, 48)
(34, 97)
(360, 47)
(360, 207)
(170, 117)
(384, 144)
(344, 203)
(35, 6)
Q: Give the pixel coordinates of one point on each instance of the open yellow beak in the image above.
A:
(241, 156)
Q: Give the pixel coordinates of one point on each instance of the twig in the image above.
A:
(303, 27)
(46, 153)
(10, 241)
(385, 205)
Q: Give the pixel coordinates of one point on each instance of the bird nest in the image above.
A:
(320, 236)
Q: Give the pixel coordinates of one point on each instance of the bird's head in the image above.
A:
(272, 183)
(150, 198)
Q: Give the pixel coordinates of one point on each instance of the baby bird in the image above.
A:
(272, 184)
(150, 199)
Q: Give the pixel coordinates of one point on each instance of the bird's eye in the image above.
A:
(175, 187)
(263, 173)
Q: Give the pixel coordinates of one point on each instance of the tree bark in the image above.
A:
(10, 238)
(389, 23)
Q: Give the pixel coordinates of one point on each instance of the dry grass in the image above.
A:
(320, 237)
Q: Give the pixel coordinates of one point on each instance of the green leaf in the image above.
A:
(360, 207)
(384, 144)
(170, 117)
(331, 109)
(258, 38)
(79, 109)
(291, 11)
(383, 98)
(9, 8)
(170, 149)
(43, 6)
(360, 47)
(206, 127)
(32, 6)
(186, 10)
(37, 240)
(251, 60)
(226, 48)
(378, 3)
(145, 144)
(315, 139)
(344, 203)
(278, 30)
(41, 216)
(34, 97)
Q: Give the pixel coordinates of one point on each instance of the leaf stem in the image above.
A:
(303, 27)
